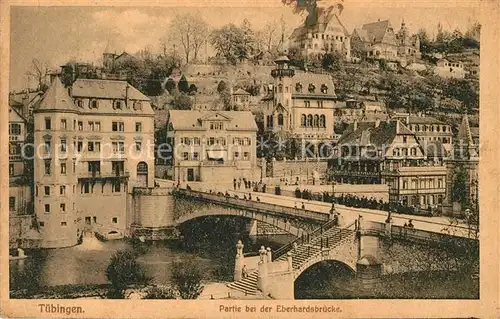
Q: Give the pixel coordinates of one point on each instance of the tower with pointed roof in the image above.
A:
(54, 174)
(465, 159)
(282, 74)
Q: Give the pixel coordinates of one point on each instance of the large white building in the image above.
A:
(212, 145)
(94, 144)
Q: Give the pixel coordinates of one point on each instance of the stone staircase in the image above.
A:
(247, 285)
(302, 249)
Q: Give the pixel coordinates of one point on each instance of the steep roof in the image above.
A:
(363, 34)
(376, 30)
(306, 78)
(367, 133)
(464, 131)
(192, 120)
(15, 116)
(57, 98)
(107, 89)
(241, 92)
(324, 18)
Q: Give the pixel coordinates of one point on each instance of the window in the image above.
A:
(216, 126)
(280, 119)
(15, 129)
(246, 156)
(79, 103)
(137, 106)
(80, 125)
(80, 146)
(311, 88)
(63, 207)
(46, 190)
(185, 156)
(64, 224)
(42, 224)
(236, 155)
(138, 146)
(48, 124)
(115, 220)
(196, 141)
(63, 168)
(307, 103)
(62, 190)
(303, 120)
(324, 88)
(322, 121)
(298, 87)
(195, 156)
(118, 147)
(404, 139)
(320, 104)
(236, 141)
(220, 141)
(118, 127)
(64, 146)
(93, 146)
(47, 208)
(247, 141)
(90, 146)
(309, 120)
(117, 105)
(94, 104)
(47, 167)
(138, 126)
(86, 187)
(211, 141)
(47, 147)
(64, 124)
(12, 203)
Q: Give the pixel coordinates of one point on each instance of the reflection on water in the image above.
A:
(86, 263)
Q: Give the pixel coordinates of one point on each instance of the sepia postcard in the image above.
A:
(251, 158)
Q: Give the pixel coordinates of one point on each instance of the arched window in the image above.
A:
(311, 88)
(316, 121)
(280, 88)
(303, 120)
(324, 88)
(280, 119)
(298, 87)
(322, 121)
(142, 174)
(309, 120)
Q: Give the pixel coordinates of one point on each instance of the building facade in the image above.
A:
(212, 145)
(387, 152)
(326, 34)
(447, 69)
(300, 105)
(94, 143)
(378, 40)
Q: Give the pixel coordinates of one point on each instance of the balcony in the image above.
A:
(106, 174)
(282, 73)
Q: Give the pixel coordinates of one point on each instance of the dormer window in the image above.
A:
(324, 88)
(138, 106)
(298, 87)
(79, 102)
(311, 88)
(94, 104)
(117, 105)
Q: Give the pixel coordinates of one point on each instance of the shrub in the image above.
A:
(124, 270)
(187, 279)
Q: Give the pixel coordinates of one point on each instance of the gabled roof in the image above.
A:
(376, 30)
(324, 18)
(107, 89)
(192, 119)
(241, 92)
(367, 133)
(15, 116)
(363, 34)
(57, 98)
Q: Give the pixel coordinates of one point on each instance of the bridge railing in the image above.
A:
(428, 236)
(318, 231)
(253, 205)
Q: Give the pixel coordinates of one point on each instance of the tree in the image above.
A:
(187, 278)
(190, 31)
(181, 102)
(230, 42)
(463, 90)
(192, 88)
(221, 86)
(183, 85)
(309, 6)
(332, 61)
(124, 270)
(39, 73)
(170, 86)
(459, 192)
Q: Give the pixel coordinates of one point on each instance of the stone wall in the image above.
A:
(291, 169)
(22, 233)
(153, 207)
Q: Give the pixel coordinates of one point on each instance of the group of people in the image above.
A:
(237, 183)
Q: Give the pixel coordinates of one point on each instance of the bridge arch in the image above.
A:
(344, 261)
(266, 218)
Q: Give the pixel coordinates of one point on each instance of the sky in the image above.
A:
(55, 35)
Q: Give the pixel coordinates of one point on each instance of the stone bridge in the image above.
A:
(158, 211)
(369, 249)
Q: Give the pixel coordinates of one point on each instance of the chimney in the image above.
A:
(397, 126)
(377, 122)
(407, 119)
(355, 127)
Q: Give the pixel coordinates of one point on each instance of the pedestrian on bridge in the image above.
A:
(244, 271)
(410, 224)
(303, 206)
